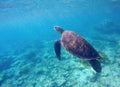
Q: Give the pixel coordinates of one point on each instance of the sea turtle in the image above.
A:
(78, 46)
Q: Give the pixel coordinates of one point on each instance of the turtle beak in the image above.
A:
(56, 28)
(59, 29)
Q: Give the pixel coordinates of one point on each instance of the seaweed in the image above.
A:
(24, 70)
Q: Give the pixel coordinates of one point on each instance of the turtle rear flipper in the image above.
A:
(96, 65)
(57, 48)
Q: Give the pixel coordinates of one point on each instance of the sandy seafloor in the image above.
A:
(35, 65)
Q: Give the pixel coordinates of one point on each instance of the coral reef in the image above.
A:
(40, 68)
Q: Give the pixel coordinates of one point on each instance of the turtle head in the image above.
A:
(59, 29)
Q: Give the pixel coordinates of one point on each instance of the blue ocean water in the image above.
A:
(27, 35)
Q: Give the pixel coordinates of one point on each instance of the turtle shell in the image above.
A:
(78, 46)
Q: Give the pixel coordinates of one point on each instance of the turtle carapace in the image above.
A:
(77, 46)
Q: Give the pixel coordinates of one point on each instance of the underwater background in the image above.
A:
(27, 57)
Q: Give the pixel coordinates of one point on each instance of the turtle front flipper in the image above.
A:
(57, 48)
(96, 65)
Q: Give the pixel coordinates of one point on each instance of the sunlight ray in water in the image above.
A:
(27, 36)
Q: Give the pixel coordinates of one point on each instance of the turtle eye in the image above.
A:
(59, 29)
(56, 27)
